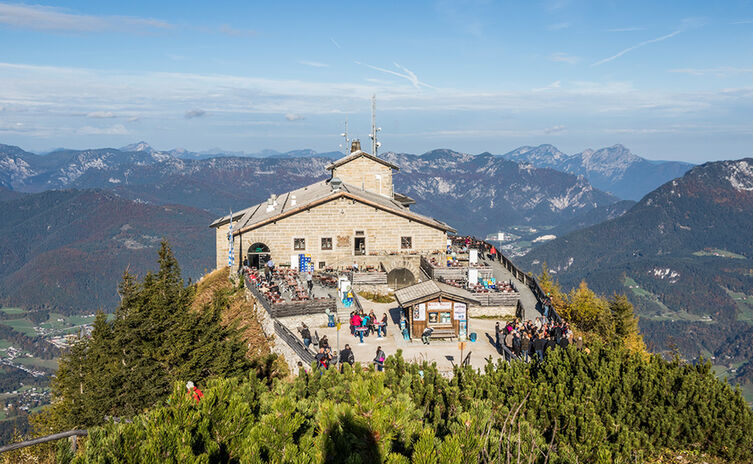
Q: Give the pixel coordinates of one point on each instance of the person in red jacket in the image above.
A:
(194, 391)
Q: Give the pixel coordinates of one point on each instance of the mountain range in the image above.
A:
(612, 169)
(88, 214)
(683, 254)
(66, 250)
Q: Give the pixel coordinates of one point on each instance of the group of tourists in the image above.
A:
(534, 338)
(363, 325)
(325, 358)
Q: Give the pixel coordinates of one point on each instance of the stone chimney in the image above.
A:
(355, 146)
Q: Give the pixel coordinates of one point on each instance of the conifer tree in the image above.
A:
(156, 339)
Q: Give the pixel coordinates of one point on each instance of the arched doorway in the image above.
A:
(400, 277)
(258, 255)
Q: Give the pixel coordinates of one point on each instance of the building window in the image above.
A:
(359, 233)
(322, 265)
(326, 243)
(299, 244)
(406, 243)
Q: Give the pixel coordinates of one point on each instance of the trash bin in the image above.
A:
(472, 336)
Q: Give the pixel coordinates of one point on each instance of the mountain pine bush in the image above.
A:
(611, 405)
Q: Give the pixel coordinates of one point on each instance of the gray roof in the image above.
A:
(315, 194)
(358, 154)
(430, 289)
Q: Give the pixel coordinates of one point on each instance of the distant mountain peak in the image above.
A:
(138, 146)
(740, 174)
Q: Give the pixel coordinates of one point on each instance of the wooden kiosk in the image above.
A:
(433, 304)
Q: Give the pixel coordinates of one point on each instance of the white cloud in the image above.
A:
(629, 49)
(558, 26)
(555, 129)
(47, 18)
(627, 29)
(553, 86)
(117, 129)
(100, 115)
(44, 97)
(134, 119)
(719, 71)
(313, 64)
(195, 113)
(235, 32)
(409, 75)
(334, 42)
(561, 57)
(293, 117)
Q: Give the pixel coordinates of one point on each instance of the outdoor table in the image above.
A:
(360, 331)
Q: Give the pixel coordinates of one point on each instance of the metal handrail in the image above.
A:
(48, 438)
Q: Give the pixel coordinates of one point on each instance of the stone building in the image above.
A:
(353, 217)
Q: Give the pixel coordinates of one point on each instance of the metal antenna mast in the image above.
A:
(374, 129)
(346, 147)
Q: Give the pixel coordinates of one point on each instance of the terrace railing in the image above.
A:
(293, 342)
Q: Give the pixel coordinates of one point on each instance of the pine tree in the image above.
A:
(156, 340)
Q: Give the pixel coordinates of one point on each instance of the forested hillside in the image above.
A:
(684, 257)
(65, 250)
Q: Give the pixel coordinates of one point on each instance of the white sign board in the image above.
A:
(443, 306)
(472, 276)
(473, 256)
(419, 312)
(343, 286)
(294, 262)
(459, 312)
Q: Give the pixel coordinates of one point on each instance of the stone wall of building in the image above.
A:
(366, 174)
(339, 220)
(221, 246)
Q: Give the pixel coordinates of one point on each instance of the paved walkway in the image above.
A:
(527, 299)
(443, 353)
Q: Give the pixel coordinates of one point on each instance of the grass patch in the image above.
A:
(378, 297)
(55, 322)
(24, 326)
(718, 253)
(744, 305)
(50, 364)
(663, 313)
(13, 310)
(81, 320)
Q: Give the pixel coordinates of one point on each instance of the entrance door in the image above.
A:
(258, 255)
(360, 246)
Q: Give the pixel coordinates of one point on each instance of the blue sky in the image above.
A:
(670, 80)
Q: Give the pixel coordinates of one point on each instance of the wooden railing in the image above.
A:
(293, 342)
(48, 438)
(528, 280)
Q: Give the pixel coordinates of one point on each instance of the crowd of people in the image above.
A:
(326, 358)
(363, 325)
(534, 338)
(279, 285)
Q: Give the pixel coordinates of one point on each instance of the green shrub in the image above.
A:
(611, 405)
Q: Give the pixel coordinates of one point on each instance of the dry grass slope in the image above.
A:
(239, 311)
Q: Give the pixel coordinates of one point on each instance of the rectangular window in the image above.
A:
(359, 233)
(299, 244)
(326, 243)
(322, 265)
(406, 243)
